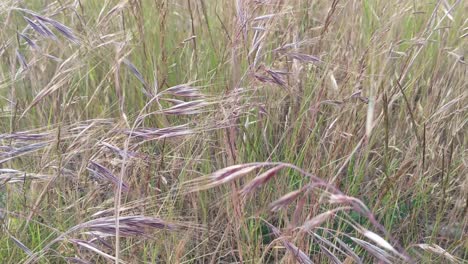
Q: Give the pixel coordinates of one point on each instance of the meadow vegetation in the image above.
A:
(233, 131)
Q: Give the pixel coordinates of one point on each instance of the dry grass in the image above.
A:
(198, 131)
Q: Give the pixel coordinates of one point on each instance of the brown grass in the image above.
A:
(203, 131)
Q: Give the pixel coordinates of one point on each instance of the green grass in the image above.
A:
(362, 102)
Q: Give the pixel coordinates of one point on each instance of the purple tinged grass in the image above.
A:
(321, 123)
(104, 173)
(46, 30)
(130, 226)
(186, 108)
(138, 75)
(36, 27)
(30, 42)
(184, 90)
(66, 31)
(22, 60)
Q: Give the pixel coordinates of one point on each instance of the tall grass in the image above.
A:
(198, 131)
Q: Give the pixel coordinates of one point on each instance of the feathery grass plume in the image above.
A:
(36, 27)
(43, 30)
(129, 226)
(298, 254)
(22, 60)
(78, 99)
(159, 133)
(320, 218)
(232, 172)
(285, 200)
(64, 30)
(184, 90)
(260, 180)
(186, 108)
(221, 177)
(104, 173)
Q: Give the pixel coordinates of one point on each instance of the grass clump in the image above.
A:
(185, 131)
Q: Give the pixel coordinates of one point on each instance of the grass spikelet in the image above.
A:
(186, 108)
(129, 226)
(231, 173)
(260, 180)
(285, 200)
(22, 60)
(36, 27)
(319, 219)
(221, 177)
(184, 90)
(104, 173)
(30, 42)
(138, 75)
(48, 33)
(298, 254)
(161, 133)
(64, 30)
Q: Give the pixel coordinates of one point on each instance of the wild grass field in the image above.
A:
(233, 131)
